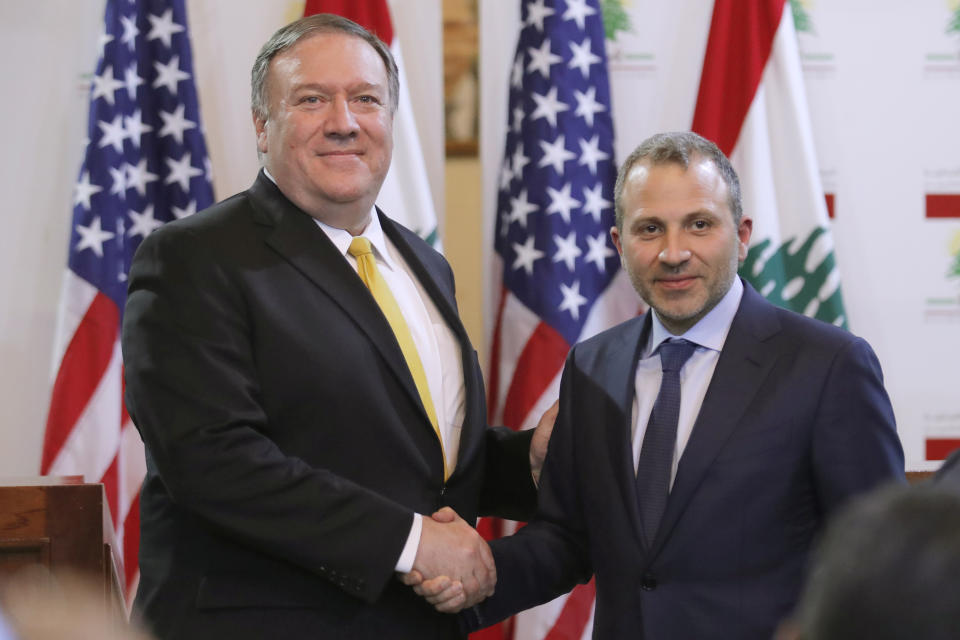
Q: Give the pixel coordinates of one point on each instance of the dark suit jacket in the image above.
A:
(287, 447)
(794, 422)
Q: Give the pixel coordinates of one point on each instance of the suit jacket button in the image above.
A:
(648, 582)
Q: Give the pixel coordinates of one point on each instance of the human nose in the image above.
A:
(674, 250)
(340, 119)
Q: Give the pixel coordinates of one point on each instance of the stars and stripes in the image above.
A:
(558, 158)
(562, 280)
(145, 164)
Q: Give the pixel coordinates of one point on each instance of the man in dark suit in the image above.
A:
(294, 433)
(699, 526)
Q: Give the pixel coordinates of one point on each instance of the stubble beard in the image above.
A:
(713, 294)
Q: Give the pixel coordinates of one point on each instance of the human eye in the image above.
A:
(647, 229)
(310, 99)
(368, 101)
(700, 224)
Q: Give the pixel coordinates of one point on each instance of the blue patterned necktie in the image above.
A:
(656, 453)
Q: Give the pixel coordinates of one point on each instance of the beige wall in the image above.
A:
(463, 243)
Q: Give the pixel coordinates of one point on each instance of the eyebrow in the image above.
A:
(697, 213)
(654, 217)
(701, 213)
(357, 88)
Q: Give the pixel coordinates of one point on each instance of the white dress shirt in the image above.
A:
(708, 334)
(436, 344)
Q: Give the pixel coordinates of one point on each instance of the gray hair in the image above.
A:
(679, 147)
(286, 37)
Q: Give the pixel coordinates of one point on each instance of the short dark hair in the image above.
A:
(289, 35)
(887, 568)
(678, 147)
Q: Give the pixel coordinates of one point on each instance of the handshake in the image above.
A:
(453, 568)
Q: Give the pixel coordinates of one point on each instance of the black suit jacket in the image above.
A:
(794, 422)
(287, 447)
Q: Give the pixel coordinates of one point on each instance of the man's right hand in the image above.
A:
(455, 561)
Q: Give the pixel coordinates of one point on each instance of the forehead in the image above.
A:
(329, 57)
(672, 188)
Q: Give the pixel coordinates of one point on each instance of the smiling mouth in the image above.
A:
(676, 283)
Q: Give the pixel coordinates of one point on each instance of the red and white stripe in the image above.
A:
(753, 104)
(88, 431)
(527, 355)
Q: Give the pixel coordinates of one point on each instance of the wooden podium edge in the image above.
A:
(71, 495)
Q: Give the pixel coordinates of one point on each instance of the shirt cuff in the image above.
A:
(409, 553)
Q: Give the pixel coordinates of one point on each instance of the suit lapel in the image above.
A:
(418, 256)
(620, 370)
(295, 236)
(743, 366)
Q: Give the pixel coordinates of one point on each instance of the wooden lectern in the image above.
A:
(61, 524)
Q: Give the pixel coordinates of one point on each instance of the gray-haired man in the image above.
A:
(297, 419)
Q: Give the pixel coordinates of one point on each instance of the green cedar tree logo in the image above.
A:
(954, 271)
(954, 25)
(781, 275)
(801, 19)
(615, 18)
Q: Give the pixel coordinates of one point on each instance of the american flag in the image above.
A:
(552, 234)
(145, 164)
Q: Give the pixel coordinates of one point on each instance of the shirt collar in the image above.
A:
(712, 329)
(341, 238)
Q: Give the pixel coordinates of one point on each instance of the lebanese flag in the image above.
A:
(405, 194)
(752, 103)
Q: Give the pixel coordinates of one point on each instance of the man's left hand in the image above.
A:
(541, 438)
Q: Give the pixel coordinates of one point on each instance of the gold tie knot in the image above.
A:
(359, 246)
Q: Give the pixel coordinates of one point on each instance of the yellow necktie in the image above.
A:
(367, 268)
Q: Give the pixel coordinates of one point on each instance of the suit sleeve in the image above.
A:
(855, 442)
(550, 555)
(192, 391)
(508, 488)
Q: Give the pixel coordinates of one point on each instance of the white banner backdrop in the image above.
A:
(883, 82)
(882, 78)
(48, 50)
